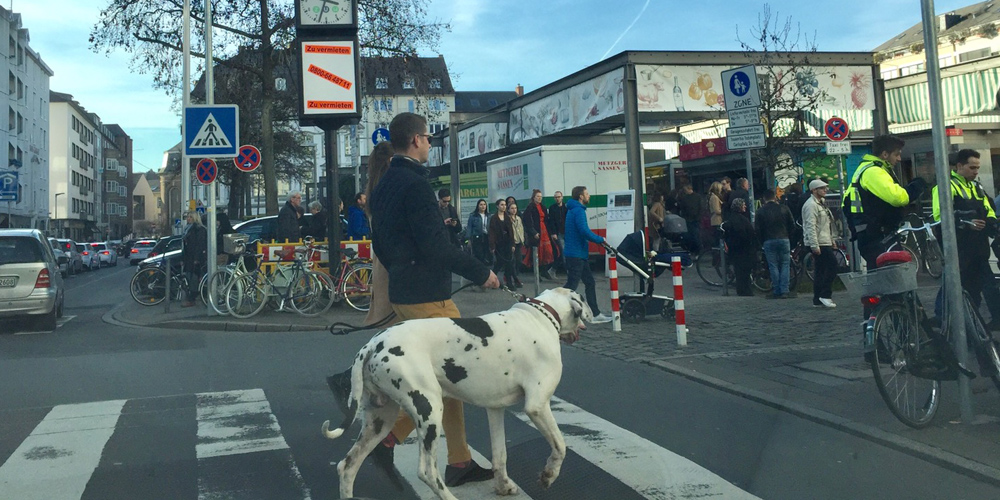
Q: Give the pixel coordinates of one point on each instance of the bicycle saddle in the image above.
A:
(890, 258)
(349, 252)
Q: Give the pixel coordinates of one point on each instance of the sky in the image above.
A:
(492, 45)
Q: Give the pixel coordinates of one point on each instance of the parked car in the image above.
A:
(30, 281)
(265, 228)
(75, 259)
(61, 258)
(167, 244)
(140, 251)
(105, 253)
(90, 259)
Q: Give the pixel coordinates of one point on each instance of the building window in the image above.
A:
(973, 55)
(381, 83)
(434, 128)
(408, 82)
(437, 105)
(435, 83)
(382, 105)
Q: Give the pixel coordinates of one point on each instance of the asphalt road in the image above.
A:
(98, 410)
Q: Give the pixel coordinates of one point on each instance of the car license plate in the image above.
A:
(8, 281)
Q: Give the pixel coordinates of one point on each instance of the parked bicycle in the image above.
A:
(292, 285)
(909, 355)
(708, 264)
(354, 281)
(804, 263)
(225, 276)
(921, 244)
(149, 286)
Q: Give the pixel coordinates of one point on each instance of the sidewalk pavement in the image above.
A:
(786, 354)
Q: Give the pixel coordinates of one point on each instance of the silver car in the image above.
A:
(104, 252)
(75, 258)
(140, 251)
(30, 282)
(90, 259)
(62, 258)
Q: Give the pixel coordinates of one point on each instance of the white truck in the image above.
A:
(602, 168)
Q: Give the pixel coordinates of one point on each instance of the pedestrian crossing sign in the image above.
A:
(212, 130)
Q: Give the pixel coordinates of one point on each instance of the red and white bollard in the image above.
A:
(616, 315)
(679, 301)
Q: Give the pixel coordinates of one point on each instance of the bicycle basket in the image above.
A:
(887, 280)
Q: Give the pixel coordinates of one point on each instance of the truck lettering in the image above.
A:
(505, 184)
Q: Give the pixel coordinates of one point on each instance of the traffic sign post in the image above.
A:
(742, 97)
(248, 158)
(211, 130)
(9, 186)
(207, 171)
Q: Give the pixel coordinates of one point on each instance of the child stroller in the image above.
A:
(675, 239)
(636, 306)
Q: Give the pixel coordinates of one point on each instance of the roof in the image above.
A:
(480, 102)
(958, 22)
(395, 70)
(58, 97)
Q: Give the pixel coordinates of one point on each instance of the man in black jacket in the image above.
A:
(556, 220)
(774, 224)
(450, 216)
(410, 239)
(288, 219)
(194, 252)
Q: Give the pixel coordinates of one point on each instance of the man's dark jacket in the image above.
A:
(195, 248)
(689, 206)
(410, 239)
(316, 226)
(556, 219)
(449, 212)
(288, 223)
(774, 222)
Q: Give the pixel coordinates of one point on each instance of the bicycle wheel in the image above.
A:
(707, 265)
(933, 260)
(809, 265)
(216, 287)
(203, 290)
(914, 401)
(246, 295)
(913, 254)
(761, 277)
(303, 293)
(148, 286)
(985, 346)
(993, 352)
(357, 287)
(326, 295)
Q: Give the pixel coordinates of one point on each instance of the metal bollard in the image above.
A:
(534, 262)
(725, 270)
(679, 302)
(167, 297)
(616, 315)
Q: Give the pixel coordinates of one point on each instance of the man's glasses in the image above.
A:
(428, 136)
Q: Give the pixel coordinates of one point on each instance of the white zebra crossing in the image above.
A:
(57, 460)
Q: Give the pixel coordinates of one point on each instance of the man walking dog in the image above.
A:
(410, 239)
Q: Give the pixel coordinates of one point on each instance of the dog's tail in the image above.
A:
(353, 400)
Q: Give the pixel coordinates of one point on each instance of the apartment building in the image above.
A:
(116, 174)
(73, 173)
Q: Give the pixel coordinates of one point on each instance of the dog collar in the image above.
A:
(542, 306)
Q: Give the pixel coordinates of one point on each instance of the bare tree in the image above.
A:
(151, 31)
(788, 84)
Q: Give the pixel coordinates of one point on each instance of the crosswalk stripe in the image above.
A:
(236, 429)
(57, 460)
(653, 471)
(406, 458)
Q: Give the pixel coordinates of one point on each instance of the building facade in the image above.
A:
(145, 210)
(73, 173)
(27, 133)
(116, 175)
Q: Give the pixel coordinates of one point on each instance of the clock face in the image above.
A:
(325, 12)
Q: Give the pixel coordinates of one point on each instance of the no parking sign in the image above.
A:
(207, 171)
(248, 158)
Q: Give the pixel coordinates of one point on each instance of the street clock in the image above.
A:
(326, 14)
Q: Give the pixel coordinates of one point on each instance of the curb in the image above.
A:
(112, 317)
(936, 456)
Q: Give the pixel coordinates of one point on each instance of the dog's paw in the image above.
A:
(547, 477)
(505, 488)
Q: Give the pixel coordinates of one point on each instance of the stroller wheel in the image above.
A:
(634, 311)
(668, 310)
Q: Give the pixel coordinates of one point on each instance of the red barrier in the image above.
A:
(616, 315)
(679, 301)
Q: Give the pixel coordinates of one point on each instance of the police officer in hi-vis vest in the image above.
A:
(874, 200)
(976, 223)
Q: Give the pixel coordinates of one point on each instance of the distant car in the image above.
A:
(30, 282)
(61, 257)
(75, 259)
(140, 251)
(265, 228)
(91, 261)
(125, 248)
(105, 253)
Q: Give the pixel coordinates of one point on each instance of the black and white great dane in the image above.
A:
(491, 361)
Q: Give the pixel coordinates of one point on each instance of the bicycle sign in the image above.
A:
(248, 158)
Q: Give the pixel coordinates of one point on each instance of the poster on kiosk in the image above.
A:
(621, 223)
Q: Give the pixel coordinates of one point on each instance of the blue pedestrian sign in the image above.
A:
(9, 187)
(380, 135)
(212, 130)
(740, 88)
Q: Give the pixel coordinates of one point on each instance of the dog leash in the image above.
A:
(340, 328)
(550, 313)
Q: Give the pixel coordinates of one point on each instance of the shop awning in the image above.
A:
(964, 95)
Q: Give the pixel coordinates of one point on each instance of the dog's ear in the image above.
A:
(581, 310)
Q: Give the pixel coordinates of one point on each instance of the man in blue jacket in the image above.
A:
(357, 221)
(578, 234)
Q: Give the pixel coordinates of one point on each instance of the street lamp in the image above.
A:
(56, 198)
